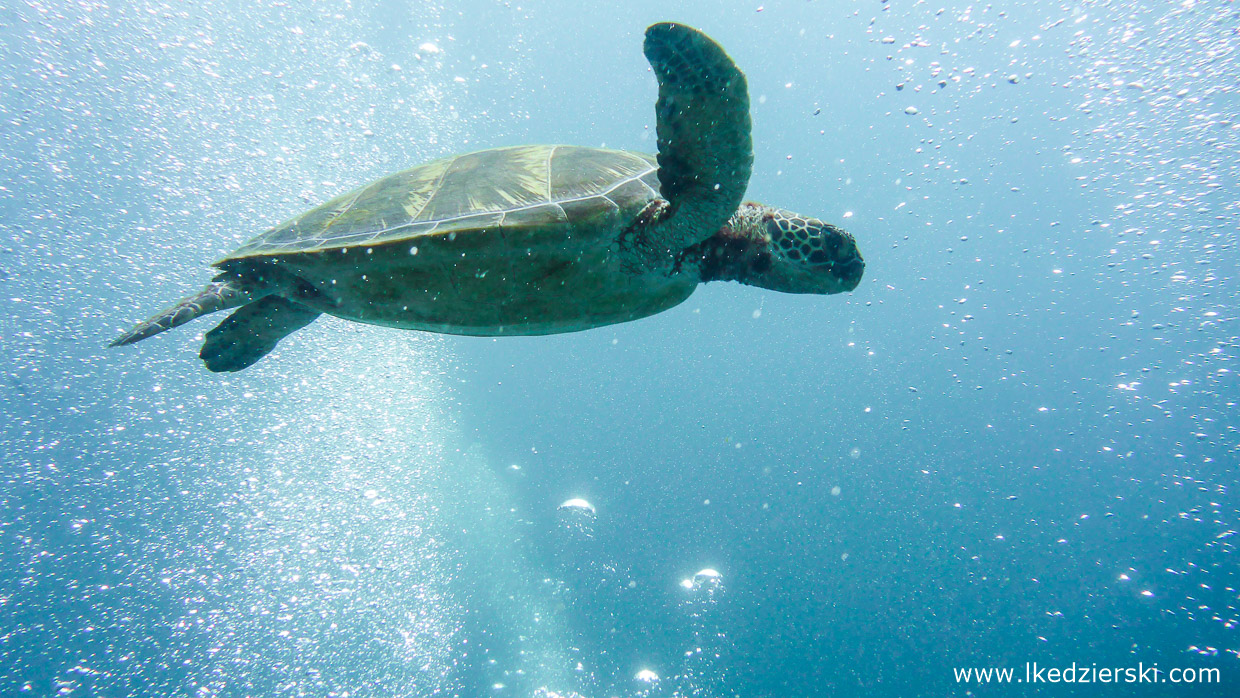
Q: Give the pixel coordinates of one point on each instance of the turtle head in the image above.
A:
(783, 251)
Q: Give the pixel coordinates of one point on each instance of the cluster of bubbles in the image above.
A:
(704, 589)
(577, 518)
(589, 580)
(292, 547)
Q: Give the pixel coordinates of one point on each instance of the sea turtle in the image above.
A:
(533, 240)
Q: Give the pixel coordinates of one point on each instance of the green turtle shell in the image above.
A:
(507, 241)
(485, 193)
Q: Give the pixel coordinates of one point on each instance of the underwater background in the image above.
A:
(1016, 442)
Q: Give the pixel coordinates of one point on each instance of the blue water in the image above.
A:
(1016, 442)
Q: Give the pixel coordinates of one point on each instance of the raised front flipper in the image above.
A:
(250, 333)
(705, 147)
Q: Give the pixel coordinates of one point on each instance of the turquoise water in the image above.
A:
(1016, 442)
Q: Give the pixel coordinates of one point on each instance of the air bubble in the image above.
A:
(576, 518)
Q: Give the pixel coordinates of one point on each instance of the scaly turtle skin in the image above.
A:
(533, 240)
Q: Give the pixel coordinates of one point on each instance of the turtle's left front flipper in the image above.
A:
(705, 146)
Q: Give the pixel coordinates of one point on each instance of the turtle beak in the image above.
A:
(850, 266)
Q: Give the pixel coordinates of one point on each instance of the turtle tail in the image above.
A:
(220, 294)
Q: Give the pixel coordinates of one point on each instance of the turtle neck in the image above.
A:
(736, 251)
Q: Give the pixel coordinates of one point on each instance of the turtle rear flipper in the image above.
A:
(251, 332)
(220, 294)
(705, 145)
